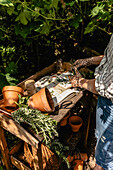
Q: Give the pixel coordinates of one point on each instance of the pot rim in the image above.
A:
(12, 88)
(74, 117)
(49, 107)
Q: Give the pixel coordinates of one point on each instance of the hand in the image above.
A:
(77, 72)
(74, 81)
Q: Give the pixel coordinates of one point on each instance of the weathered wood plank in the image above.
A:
(28, 155)
(19, 164)
(17, 130)
(66, 106)
(4, 150)
(37, 158)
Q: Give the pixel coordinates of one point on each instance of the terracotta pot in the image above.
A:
(78, 165)
(10, 95)
(63, 122)
(75, 123)
(42, 101)
(81, 156)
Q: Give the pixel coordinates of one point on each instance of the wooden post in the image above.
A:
(37, 158)
(89, 118)
(4, 150)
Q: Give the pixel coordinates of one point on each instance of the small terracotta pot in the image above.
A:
(75, 123)
(10, 95)
(63, 122)
(78, 165)
(81, 156)
(42, 101)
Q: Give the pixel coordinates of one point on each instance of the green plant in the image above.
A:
(1, 168)
(8, 78)
(59, 149)
(101, 17)
(42, 124)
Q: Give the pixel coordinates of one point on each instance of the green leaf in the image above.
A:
(10, 10)
(96, 10)
(6, 3)
(22, 30)
(70, 3)
(44, 28)
(90, 28)
(19, 7)
(27, 14)
(1, 168)
(55, 3)
(21, 17)
(11, 80)
(11, 68)
(24, 17)
(76, 21)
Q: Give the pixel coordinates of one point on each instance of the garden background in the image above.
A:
(35, 33)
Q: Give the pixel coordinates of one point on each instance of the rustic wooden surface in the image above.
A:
(37, 158)
(66, 105)
(19, 164)
(17, 130)
(34, 140)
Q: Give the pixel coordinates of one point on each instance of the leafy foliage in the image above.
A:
(28, 25)
(101, 17)
(7, 78)
(41, 123)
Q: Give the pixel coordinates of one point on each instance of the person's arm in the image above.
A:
(88, 61)
(88, 85)
(83, 83)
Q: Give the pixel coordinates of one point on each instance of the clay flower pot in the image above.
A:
(78, 156)
(75, 123)
(78, 165)
(42, 101)
(10, 95)
(63, 122)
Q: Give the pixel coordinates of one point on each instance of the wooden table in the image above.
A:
(26, 137)
(14, 128)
